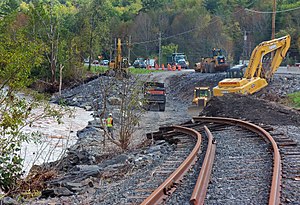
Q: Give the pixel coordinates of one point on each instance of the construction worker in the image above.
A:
(109, 125)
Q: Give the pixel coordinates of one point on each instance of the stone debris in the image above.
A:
(90, 171)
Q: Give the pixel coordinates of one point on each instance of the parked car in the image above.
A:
(139, 63)
(183, 64)
(105, 62)
(151, 62)
(95, 62)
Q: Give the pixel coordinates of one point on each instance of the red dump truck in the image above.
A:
(154, 96)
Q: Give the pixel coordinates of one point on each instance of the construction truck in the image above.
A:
(154, 96)
(118, 67)
(259, 71)
(177, 59)
(216, 63)
(201, 96)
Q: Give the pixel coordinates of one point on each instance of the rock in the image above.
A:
(88, 168)
(114, 101)
(47, 193)
(8, 201)
(62, 191)
(88, 108)
(75, 187)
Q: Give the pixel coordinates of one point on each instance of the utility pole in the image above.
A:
(129, 48)
(273, 24)
(273, 19)
(159, 49)
(245, 47)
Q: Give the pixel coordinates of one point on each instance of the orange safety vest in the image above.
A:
(109, 122)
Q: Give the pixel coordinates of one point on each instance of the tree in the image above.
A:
(93, 21)
(8, 6)
(51, 23)
(17, 56)
(127, 109)
(168, 50)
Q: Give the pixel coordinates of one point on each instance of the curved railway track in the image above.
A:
(243, 158)
(241, 175)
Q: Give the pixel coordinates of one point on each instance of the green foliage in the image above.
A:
(295, 99)
(18, 54)
(99, 69)
(8, 6)
(168, 50)
(142, 71)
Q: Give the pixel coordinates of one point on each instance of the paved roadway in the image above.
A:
(288, 70)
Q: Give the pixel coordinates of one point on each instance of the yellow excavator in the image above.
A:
(119, 66)
(201, 96)
(258, 71)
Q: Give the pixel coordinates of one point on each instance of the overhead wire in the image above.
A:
(185, 32)
(271, 12)
(211, 23)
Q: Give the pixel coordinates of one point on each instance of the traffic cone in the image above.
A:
(162, 66)
(179, 67)
(169, 67)
(174, 67)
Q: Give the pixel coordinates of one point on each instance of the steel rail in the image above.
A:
(167, 187)
(274, 198)
(200, 189)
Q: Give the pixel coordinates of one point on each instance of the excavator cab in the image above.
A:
(218, 56)
(236, 71)
(201, 96)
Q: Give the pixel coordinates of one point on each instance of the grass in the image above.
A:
(102, 69)
(295, 99)
(142, 71)
(98, 69)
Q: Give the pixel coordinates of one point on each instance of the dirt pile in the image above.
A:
(253, 109)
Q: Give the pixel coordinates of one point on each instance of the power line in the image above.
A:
(270, 12)
(211, 23)
(185, 32)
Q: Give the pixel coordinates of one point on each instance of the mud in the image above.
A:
(253, 109)
(267, 106)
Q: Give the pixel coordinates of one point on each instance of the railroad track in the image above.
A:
(241, 175)
(290, 154)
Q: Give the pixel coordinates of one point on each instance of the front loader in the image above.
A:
(216, 63)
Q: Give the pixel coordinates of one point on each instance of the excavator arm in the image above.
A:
(117, 67)
(256, 75)
(279, 46)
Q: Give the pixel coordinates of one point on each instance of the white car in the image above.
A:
(105, 62)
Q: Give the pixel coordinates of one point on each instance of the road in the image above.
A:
(288, 70)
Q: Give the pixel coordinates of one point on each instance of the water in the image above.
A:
(55, 138)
